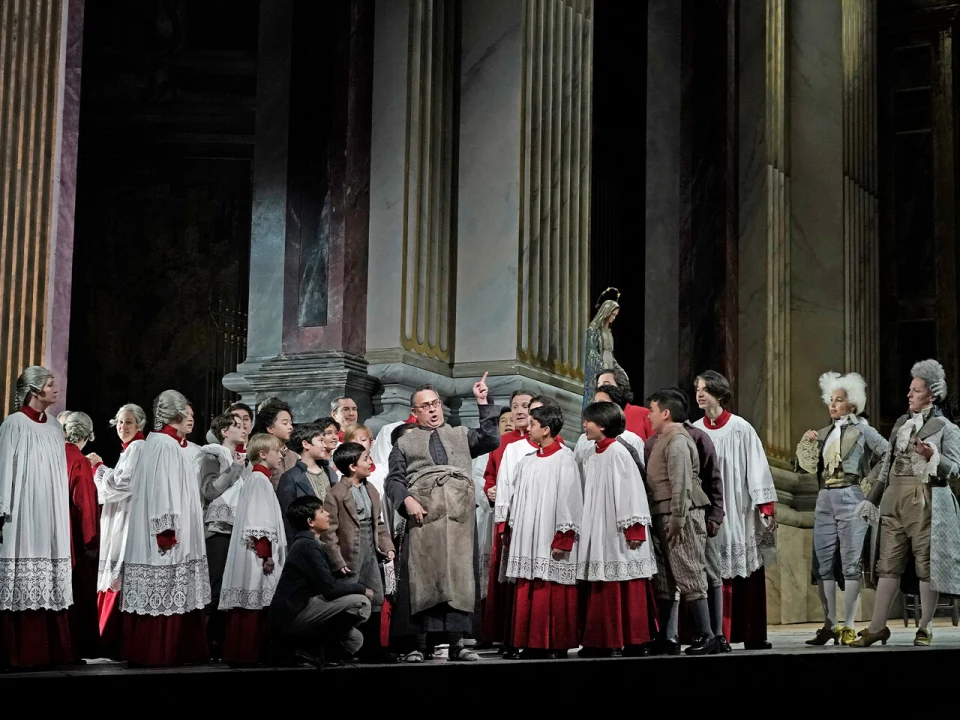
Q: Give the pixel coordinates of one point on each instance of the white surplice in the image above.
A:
(35, 570)
(614, 499)
(585, 447)
(547, 499)
(745, 545)
(166, 496)
(114, 491)
(484, 520)
(258, 516)
(506, 473)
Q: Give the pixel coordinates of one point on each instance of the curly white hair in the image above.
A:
(169, 406)
(933, 374)
(78, 427)
(852, 384)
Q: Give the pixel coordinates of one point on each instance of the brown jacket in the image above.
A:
(342, 539)
(673, 482)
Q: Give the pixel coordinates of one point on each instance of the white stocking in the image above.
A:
(928, 603)
(828, 598)
(887, 589)
(851, 600)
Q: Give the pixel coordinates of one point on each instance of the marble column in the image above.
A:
(513, 230)
(661, 284)
(308, 267)
(40, 49)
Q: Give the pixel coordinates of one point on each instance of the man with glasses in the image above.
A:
(430, 475)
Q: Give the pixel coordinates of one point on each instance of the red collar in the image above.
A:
(37, 417)
(241, 449)
(531, 443)
(373, 467)
(412, 420)
(261, 469)
(605, 443)
(138, 436)
(722, 420)
(167, 430)
(551, 449)
(561, 440)
(340, 436)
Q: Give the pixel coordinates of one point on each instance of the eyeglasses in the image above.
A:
(433, 405)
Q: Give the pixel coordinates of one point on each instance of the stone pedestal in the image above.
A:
(479, 248)
(308, 284)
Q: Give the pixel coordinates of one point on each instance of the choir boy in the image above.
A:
(544, 523)
(614, 557)
(258, 549)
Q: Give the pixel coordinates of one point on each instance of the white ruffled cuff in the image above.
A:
(933, 466)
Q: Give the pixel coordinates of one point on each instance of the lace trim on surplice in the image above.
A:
(166, 589)
(35, 584)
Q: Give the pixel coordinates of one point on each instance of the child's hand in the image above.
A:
(268, 566)
(633, 544)
(557, 554)
(675, 532)
(391, 555)
(369, 593)
(344, 570)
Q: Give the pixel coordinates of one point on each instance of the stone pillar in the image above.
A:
(661, 284)
(307, 309)
(513, 229)
(808, 243)
(40, 49)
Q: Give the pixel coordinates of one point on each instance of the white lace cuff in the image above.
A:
(933, 466)
(764, 495)
(564, 527)
(622, 525)
(251, 535)
(167, 521)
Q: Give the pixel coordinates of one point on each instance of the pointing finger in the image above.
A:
(484, 378)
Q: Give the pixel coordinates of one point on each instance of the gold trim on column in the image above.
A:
(29, 81)
(553, 277)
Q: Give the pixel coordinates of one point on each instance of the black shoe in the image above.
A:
(671, 647)
(724, 645)
(764, 645)
(706, 647)
(638, 650)
(534, 654)
(559, 655)
(511, 654)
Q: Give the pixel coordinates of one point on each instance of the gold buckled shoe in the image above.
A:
(848, 636)
(923, 638)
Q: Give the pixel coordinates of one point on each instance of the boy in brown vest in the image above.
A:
(677, 505)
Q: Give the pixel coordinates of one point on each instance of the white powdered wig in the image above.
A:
(169, 407)
(78, 427)
(852, 384)
(31, 380)
(139, 416)
(933, 374)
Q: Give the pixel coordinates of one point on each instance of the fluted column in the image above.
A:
(860, 232)
(36, 233)
(765, 198)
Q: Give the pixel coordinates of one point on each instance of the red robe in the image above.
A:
(498, 606)
(245, 637)
(638, 421)
(84, 538)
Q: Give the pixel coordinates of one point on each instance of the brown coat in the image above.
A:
(342, 539)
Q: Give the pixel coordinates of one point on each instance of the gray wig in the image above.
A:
(933, 375)
(31, 380)
(139, 416)
(169, 407)
(78, 427)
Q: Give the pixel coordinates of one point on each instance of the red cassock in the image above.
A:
(245, 637)
(620, 614)
(84, 539)
(638, 421)
(498, 607)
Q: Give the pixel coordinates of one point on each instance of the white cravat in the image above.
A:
(831, 446)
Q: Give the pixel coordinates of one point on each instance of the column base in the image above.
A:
(309, 382)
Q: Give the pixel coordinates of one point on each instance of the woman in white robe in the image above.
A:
(114, 491)
(35, 570)
(166, 581)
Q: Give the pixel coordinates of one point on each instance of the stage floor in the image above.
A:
(790, 667)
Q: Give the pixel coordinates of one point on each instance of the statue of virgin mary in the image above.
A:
(598, 353)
